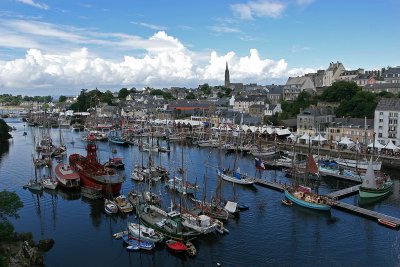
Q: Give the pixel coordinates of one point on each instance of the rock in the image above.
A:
(46, 244)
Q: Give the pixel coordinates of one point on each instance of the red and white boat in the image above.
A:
(66, 176)
(94, 174)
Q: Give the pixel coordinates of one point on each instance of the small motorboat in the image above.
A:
(176, 246)
(191, 249)
(120, 234)
(135, 242)
(110, 207)
(388, 223)
(287, 202)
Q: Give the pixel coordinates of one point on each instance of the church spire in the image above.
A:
(227, 81)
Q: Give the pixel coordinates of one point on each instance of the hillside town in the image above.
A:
(238, 103)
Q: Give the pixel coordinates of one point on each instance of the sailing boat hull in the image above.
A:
(306, 204)
(373, 193)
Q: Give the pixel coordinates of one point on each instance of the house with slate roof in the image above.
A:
(295, 85)
(386, 121)
(392, 75)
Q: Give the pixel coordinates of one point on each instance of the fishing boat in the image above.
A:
(123, 204)
(176, 246)
(373, 186)
(117, 140)
(176, 184)
(135, 242)
(359, 164)
(199, 223)
(110, 207)
(303, 195)
(144, 233)
(93, 173)
(169, 224)
(66, 176)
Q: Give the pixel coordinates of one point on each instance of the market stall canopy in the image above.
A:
(391, 146)
(346, 141)
(305, 137)
(377, 145)
(319, 138)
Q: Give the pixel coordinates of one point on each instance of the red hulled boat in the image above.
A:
(92, 173)
(66, 177)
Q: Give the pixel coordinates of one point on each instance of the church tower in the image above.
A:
(227, 82)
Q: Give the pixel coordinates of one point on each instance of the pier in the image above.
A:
(273, 185)
(344, 192)
(365, 212)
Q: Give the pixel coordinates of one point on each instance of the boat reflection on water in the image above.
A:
(370, 202)
(69, 194)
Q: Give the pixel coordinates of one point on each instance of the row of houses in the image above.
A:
(382, 128)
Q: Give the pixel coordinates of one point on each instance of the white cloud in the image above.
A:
(150, 26)
(262, 8)
(34, 4)
(61, 57)
(300, 71)
(225, 29)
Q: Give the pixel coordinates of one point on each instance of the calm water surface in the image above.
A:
(268, 234)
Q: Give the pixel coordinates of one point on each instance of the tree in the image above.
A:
(206, 89)
(4, 134)
(190, 95)
(10, 203)
(339, 91)
(107, 97)
(123, 93)
(62, 99)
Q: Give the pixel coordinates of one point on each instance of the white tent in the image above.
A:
(391, 146)
(282, 131)
(319, 138)
(305, 137)
(377, 145)
(292, 137)
(346, 141)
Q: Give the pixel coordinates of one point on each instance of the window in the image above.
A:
(380, 120)
(379, 134)
(380, 113)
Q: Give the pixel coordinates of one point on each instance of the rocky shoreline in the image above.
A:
(25, 253)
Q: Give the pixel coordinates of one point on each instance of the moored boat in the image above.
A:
(135, 242)
(110, 207)
(373, 186)
(94, 174)
(66, 176)
(388, 223)
(235, 177)
(176, 246)
(144, 233)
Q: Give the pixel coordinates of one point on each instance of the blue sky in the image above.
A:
(49, 46)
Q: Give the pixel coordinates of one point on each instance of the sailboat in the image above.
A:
(302, 195)
(373, 186)
(34, 185)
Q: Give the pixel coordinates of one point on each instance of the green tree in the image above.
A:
(123, 93)
(107, 97)
(206, 89)
(339, 91)
(157, 92)
(190, 95)
(4, 134)
(363, 104)
(10, 203)
(62, 99)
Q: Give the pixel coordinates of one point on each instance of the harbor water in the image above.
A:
(268, 234)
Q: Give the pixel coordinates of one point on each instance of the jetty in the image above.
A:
(273, 185)
(344, 192)
(366, 213)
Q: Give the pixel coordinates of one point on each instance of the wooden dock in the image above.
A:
(343, 177)
(344, 192)
(365, 212)
(272, 185)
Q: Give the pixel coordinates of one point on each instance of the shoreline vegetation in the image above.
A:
(18, 249)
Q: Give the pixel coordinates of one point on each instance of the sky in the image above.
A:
(60, 46)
